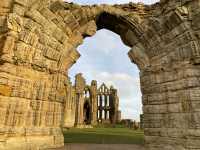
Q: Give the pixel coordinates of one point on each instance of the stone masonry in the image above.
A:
(38, 41)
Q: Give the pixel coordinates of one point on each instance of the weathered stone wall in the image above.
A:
(38, 40)
(169, 81)
(32, 76)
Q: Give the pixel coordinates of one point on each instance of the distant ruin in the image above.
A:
(90, 105)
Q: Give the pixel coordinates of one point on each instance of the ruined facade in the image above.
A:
(38, 41)
(108, 104)
(90, 104)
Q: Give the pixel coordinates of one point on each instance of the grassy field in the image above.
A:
(104, 136)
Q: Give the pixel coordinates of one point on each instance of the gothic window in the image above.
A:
(103, 100)
(98, 100)
(87, 94)
(108, 115)
(108, 100)
(103, 114)
(98, 114)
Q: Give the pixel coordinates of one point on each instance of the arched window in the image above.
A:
(98, 100)
(103, 100)
(108, 115)
(103, 114)
(98, 114)
(108, 100)
(87, 94)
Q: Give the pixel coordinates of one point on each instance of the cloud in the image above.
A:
(102, 45)
(121, 81)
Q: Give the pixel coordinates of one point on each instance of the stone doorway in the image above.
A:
(87, 113)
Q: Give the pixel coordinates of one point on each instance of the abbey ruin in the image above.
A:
(38, 41)
(89, 105)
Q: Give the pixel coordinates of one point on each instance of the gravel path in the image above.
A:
(101, 147)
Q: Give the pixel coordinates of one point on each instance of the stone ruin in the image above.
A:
(132, 124)
(90, 105)
(38, 41)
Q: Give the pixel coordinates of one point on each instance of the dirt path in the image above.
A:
(101, 147)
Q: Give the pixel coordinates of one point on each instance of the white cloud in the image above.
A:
(128, 91)
(102, 45)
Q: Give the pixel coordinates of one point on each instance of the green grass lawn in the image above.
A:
(104, 136)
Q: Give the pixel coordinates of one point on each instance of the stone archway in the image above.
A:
(38, 40)
(87, 106)
(87, 113)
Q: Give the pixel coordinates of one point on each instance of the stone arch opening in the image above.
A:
(120, 25)
(109, 72)
(87, 112)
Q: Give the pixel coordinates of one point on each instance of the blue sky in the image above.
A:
(104, 58)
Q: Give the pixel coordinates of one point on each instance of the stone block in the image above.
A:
(5, 90)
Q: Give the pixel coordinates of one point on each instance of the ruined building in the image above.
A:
(90, 105)
(38, 45)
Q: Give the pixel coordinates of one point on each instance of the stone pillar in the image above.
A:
(114, 105)
(79, 87)
(94, 102)
(100, 108)
(80, 120)
(118, 116)
(70, 106)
